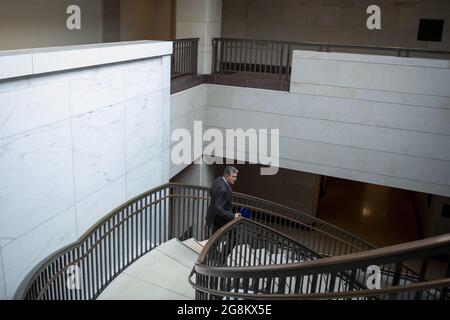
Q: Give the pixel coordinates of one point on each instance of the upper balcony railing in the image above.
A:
(184, 57)
(273, 59)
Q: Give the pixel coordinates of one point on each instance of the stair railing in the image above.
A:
(341, 277)
(83, 269)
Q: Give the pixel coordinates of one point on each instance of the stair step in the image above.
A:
(195, 245)
(126, 287)
(160, 274)
(179, 252)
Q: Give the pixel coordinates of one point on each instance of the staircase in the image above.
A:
(161, 274)
(267, 264)
(149, 248)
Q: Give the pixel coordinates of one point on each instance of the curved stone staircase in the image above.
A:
(150, 246)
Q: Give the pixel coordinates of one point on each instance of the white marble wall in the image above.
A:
(186, 107)
(382, 120)
(74, 145)
(200, 19)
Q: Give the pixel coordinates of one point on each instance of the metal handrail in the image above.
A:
(329, 295)
(362, 244)
(53, 268)
(26, 283)
(169, 211)
(350, 263)
(372, 256)
(345, 46)
(274, 58)
(297, 215)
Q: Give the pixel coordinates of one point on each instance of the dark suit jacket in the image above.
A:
(219, 211)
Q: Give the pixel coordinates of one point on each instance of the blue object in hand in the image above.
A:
(245, 213)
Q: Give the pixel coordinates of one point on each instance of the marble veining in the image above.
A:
(145, 177)
(23, 254)
(97, 205)
(144, 126)
(144, 77)
(87, 95)
(74, 145)
(30, 108)
(37, 178)
(99, 149)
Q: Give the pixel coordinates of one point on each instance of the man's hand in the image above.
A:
(237, 215)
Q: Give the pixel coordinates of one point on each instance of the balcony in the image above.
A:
(184, 65)
(263, 64)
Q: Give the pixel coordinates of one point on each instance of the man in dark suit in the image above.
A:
(219, 211)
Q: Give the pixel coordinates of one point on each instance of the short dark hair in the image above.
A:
(229, 171)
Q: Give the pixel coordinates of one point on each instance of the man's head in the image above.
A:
(230, 174)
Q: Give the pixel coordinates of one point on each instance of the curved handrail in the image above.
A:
(178, 223)
(396, 254)
(329, 295)
(371, 256)
(89, 251)
(291, 250)
(294, 214)
(219, 233)
(25, 284)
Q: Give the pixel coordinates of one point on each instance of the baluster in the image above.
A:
(445, 291)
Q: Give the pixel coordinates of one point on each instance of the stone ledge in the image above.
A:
(26, 62)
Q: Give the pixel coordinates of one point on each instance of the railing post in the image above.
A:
(195, 57)
(288, 63)
(396, 280)
(214, 54)
(445, 291)
(281, 61)
(423, 271)
(221, 55)
(170, 213)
